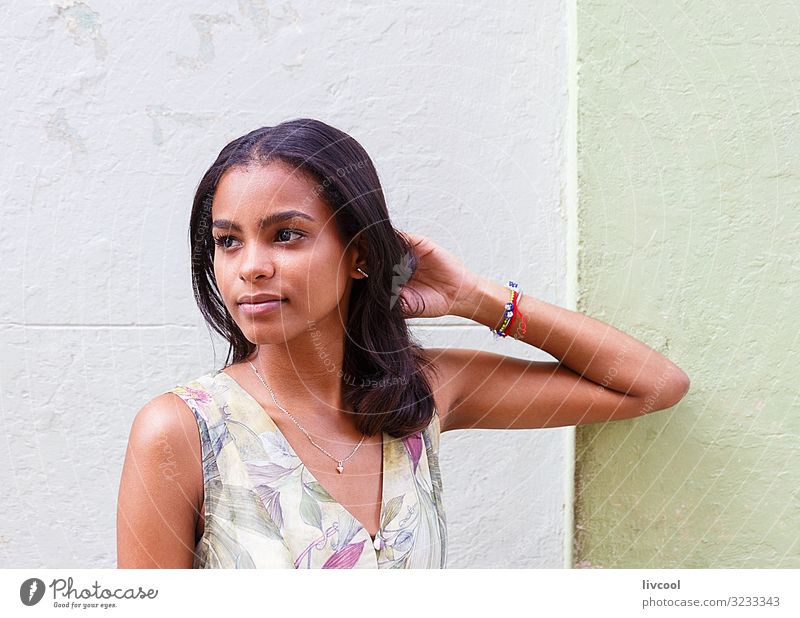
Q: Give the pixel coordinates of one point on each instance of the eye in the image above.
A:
(290, 231)
(221, 240)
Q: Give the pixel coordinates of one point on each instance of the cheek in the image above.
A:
(329, 276)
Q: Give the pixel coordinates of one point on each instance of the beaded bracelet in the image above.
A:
(510, 312)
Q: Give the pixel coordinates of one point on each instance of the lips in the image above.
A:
(265, 302)
(263, 307)
(258, 298)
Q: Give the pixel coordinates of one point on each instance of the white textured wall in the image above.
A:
(112, 114)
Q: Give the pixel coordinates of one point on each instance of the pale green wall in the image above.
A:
(689, 232)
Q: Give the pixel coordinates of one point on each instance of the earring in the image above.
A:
(362, 272)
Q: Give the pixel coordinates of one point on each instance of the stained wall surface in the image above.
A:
(689, 229)
(114, 111)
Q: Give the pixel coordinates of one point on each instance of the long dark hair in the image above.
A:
(383, 377)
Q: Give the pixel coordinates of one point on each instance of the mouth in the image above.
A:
(262, 307)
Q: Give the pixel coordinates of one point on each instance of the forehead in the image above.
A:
(250, 192)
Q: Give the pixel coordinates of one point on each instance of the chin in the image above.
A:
(267, 335)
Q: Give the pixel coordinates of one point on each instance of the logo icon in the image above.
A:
(31, 591)
(402, 273)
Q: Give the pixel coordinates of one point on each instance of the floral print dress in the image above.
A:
(264, 508)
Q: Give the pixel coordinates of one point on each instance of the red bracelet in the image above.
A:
(520, 329)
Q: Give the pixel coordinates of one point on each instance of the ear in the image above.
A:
(360, 253)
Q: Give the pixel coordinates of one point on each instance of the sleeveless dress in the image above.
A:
(264, 508)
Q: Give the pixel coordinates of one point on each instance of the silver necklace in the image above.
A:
(339, 462)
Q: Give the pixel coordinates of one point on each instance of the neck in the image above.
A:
(305, 373)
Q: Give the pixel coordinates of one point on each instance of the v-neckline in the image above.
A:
(308, 471)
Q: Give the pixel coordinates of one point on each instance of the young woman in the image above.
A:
(316, 445)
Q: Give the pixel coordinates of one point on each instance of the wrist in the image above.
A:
(485, 303)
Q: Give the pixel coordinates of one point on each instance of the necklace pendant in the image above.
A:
(340, 468)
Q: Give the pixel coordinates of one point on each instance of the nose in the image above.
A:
(256, 263)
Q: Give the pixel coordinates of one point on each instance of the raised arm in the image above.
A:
(602, 374)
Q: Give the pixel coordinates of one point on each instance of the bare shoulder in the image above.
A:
(444, 381)
(166, 415)
(160, 488)
(165, 428)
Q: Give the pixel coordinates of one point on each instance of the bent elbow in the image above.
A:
(677, 390)
(685, 385)
(667, 396)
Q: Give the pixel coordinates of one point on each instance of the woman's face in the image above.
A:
(274, 235)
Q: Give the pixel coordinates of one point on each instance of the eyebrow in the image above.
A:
(269, 220)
